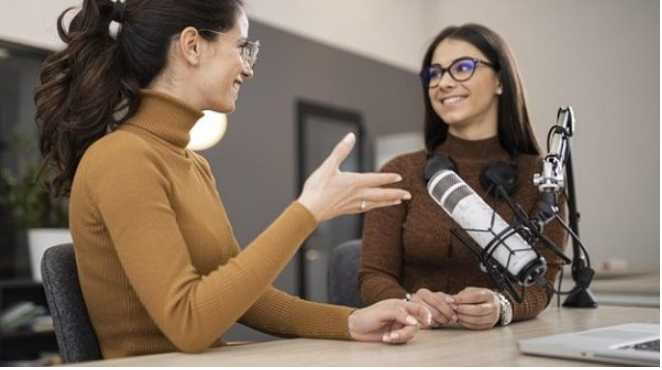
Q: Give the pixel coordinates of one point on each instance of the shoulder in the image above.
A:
(118, 145)
(202, 163)
(120, 155)
(199, 159)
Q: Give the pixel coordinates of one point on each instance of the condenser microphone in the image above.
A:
(497, 239)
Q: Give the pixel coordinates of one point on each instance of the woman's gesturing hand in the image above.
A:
(328, 192)
(391, 321)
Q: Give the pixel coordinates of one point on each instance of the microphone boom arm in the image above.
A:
(550, 183)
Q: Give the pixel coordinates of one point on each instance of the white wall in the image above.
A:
(390, 31)
(32, 22)
(602, 57)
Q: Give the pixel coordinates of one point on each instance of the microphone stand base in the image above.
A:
(582, 298)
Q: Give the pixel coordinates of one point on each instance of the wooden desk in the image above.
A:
(442, 347)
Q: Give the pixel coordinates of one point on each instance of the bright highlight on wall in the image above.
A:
(208, 131)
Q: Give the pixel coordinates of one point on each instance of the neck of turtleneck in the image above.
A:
(166, 117)
(471, 149)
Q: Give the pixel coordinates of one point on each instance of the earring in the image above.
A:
(499, 90)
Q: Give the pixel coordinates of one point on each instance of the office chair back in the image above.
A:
(342, 278)
(75, 335)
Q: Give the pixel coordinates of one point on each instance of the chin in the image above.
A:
(225, 107)
(452, 119)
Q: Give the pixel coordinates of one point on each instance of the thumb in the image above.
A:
(403, 317)
(417, 311)
(340, 152)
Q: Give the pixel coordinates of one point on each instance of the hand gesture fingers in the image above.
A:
(474, 295)
(477, 308)
(339, 153)
(439, 304)
(328, 192)
(390, 321)
(371, 198)
(401, 330)
(481, 322)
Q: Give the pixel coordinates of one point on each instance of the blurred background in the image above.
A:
(329, 67)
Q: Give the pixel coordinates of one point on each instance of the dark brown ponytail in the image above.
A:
(92, 86)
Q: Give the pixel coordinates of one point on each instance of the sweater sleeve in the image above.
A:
(382, 248)
(281, 314)
(191, 309)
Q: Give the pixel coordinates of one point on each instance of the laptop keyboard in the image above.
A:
(650, 346)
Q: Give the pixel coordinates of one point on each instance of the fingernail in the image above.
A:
(453, 307)
(454, 318)
(411, 321)
(398, 178)
(386, 338)
(429, 318)
(350, 138)
(397, 202)
(407, 196)
(395, 336)
(450, 300)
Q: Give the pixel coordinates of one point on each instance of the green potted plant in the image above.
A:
(30, 206)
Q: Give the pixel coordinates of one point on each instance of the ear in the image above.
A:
(189, 45)
(499, 88)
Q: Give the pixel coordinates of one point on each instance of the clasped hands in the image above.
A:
(397, 321)
(472, 308)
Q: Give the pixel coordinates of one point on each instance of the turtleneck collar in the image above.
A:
(166, 117)
(471, 149)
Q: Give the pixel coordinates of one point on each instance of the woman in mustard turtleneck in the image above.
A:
(476, 124)
(159, 266)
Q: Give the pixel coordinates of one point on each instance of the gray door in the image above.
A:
(320, 129)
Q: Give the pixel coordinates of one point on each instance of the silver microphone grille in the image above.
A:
(444, 181)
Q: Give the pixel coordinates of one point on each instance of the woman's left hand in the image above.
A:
(391, 321)
(477, 308)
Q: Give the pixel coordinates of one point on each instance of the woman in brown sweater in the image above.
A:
(475, 116)
(158, 263)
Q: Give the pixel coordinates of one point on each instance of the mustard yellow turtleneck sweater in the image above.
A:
(159, 266)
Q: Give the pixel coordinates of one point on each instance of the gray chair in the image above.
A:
(342, 278)
(75, 335)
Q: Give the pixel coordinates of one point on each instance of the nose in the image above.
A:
(247, 71)
(447, 81)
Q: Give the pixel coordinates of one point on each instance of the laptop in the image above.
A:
(627, 344)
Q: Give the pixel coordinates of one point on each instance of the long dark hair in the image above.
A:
(516, 134)
(92, 86)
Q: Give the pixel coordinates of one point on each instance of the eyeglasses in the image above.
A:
(460, 70)
(249, 49)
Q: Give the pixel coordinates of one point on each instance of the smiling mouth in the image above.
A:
(452, 100)
(235, 88)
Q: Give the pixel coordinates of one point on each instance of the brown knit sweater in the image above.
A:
(159, 266)
(409, 247)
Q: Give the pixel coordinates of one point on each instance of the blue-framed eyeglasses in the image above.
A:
(460, 70)
(249, 49)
